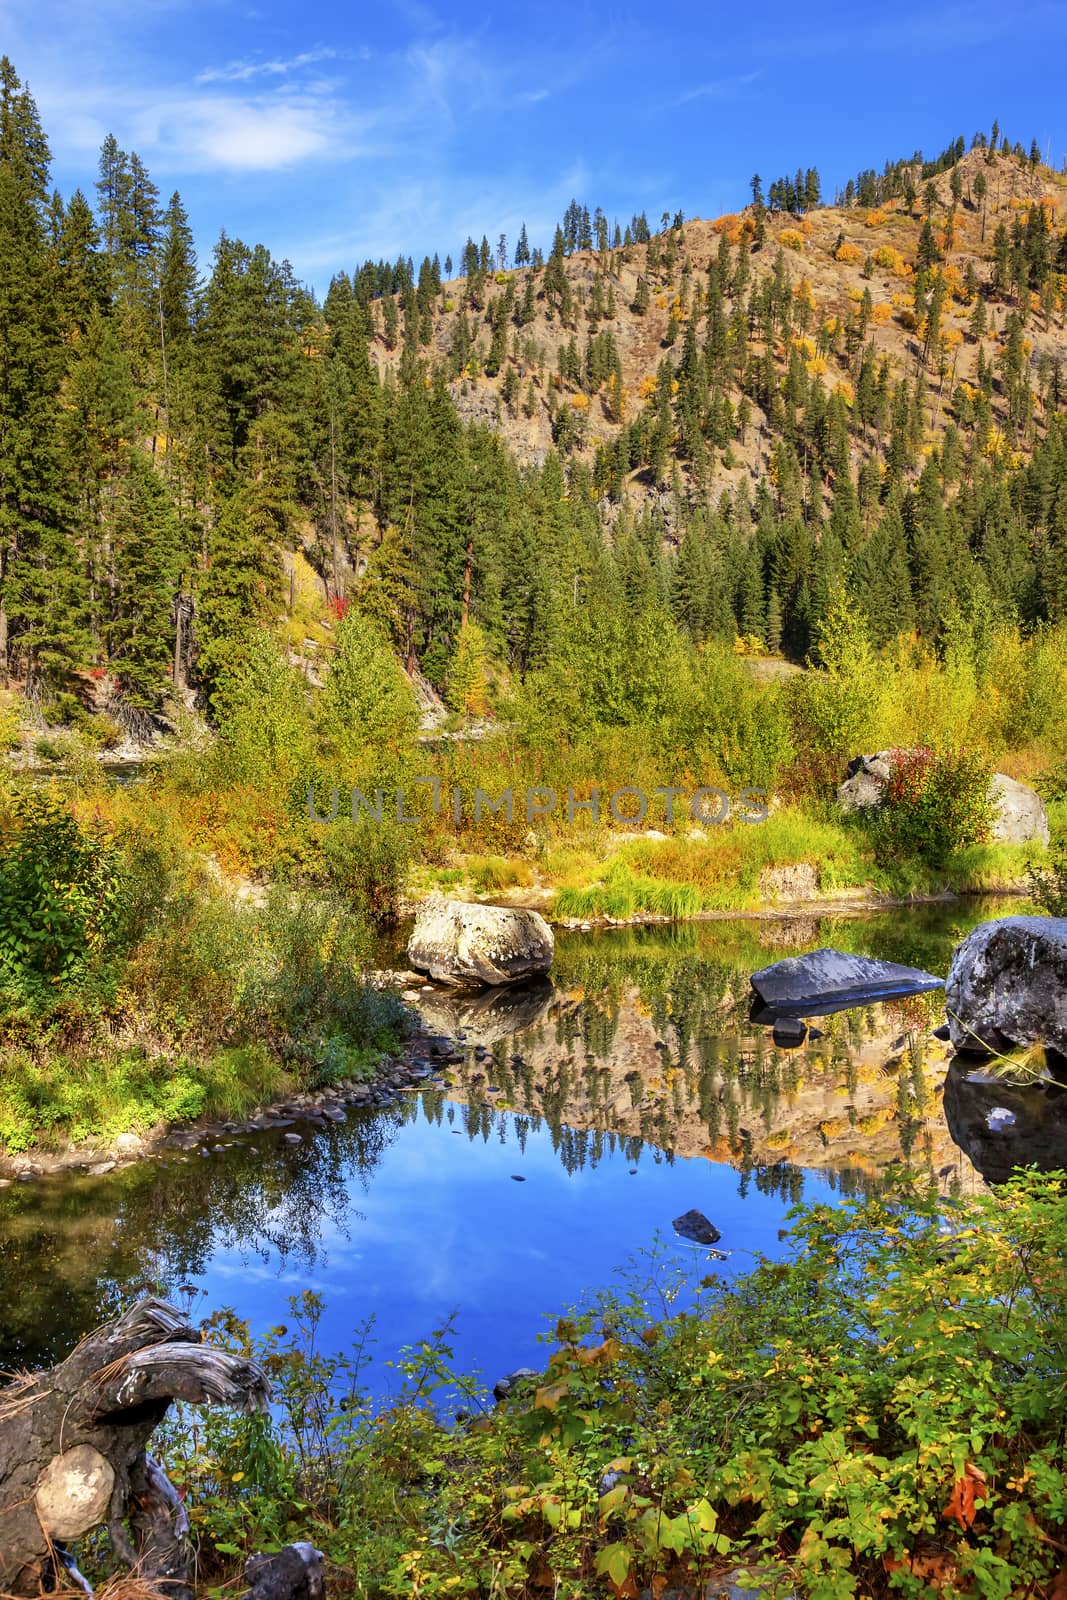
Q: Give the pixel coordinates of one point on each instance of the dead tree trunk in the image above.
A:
(73, 1449)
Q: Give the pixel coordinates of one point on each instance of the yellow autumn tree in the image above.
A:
(468, 678)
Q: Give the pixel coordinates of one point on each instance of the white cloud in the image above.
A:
(177, 130)
(250, 136)
(241, 71)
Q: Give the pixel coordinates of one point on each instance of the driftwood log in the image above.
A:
(73, 1451)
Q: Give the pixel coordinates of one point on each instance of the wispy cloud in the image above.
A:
(717, 89)
(184, 130)
(242, 71)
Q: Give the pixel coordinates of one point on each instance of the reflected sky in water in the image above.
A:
(640, 1092)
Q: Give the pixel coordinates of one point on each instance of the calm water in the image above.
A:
(631, 1091)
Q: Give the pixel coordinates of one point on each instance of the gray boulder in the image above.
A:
(1007, 986)
(473, 946)
(1020, 811)
(866, 778)
(824, 981)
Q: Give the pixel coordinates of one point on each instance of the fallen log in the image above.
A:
(73, 1450)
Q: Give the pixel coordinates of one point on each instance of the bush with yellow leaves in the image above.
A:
(850, 254)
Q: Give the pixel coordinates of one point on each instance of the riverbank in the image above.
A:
(299, 1111)
(899, 1423)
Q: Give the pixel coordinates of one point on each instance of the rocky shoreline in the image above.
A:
(423, 1057)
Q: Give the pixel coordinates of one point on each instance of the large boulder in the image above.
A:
(867, 776)
(473, 946)
(1007, 986)
(1020, 811)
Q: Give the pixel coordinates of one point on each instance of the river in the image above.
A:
(579, 1122)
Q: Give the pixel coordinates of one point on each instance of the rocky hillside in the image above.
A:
(845, 299)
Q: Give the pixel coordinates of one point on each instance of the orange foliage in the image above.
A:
(851, 254)
(968, 1489)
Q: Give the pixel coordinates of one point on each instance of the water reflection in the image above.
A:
(1002, 1125)
(633, 1090)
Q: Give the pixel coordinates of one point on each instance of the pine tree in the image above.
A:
(242, 588)
(82, 273)
(148, 563)
(178, 284)
(42, 588)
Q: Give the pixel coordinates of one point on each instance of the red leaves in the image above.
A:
(968, 1489)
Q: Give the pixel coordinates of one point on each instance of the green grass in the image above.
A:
(93, 1096)
(678, 878)
(489, 873)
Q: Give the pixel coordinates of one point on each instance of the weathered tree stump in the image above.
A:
(73, 1451)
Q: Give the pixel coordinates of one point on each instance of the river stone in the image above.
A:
(473, 946)
(694, 1225)
(1007, 986)
(1020, 811)
(831, 980)
(522, 1376)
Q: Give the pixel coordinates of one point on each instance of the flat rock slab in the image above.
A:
(825, 981)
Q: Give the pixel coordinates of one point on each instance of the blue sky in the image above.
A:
(332, 132)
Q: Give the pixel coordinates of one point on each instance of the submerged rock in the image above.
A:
(825, 981)
(695, 1226)
(472, 946)
(1007, 986)
(1020, 811)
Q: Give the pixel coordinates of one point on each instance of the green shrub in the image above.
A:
(934, 804)
(368, 863)
(1048, 886)
(880, 1409)
(60, 890)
